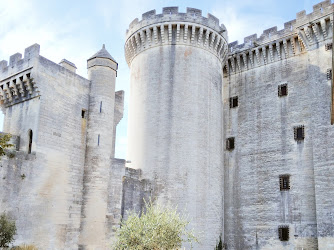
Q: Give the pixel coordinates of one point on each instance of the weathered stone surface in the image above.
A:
(70, 192)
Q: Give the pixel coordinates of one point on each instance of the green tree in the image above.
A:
(219, 246)
(157, 228)
(7, 230)
(4, 144)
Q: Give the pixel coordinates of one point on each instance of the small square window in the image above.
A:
(329, 74)
(299, 133)
(83, 113)
(230, 143)
(284, 182)
(283, 233)
(233, 101)
(283, 90)
(328, 46)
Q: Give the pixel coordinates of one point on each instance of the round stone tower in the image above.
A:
(102, 71)
(175, 120)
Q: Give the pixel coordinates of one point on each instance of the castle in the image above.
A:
(236, 135)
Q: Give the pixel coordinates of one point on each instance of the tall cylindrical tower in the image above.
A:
(175, 119)
(102, 70)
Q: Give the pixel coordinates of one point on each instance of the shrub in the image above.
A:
(7, 230)
(157, 228)
(25, 247)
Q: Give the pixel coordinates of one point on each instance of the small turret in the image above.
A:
(102, 58)
(99, 151)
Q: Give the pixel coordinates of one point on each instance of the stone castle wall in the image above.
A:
(263, 128)
(175, 122)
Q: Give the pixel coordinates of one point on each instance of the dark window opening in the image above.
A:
(230, 143)
(329, 74)
(284, 182)
(83, 113)
(283, 90)
(30, 141)
(299, 133)
(283, 233)
(98, 140)
(328, 46)
(233, 102)
(100, 107)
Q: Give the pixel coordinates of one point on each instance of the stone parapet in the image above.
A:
(16, 78)
(171, 28)
(298, 36)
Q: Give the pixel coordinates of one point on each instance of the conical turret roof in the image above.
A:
(102, 53)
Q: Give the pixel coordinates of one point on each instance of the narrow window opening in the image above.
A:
(230, 143)
(284, 182)
(283, 233)
(299, 133)
(101, 107)
(98, 140)
(83, 113)
(283, 90)
(233, 102)
(30, 134)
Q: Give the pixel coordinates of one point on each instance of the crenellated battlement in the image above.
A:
(16, 78)
(172, 14)
(299, 35)
(172, 27)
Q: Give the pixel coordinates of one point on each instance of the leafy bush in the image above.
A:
(7, 230)
(25, 247)
(157, 228)
(4, 145)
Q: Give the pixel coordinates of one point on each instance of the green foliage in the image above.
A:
(4, 144)
(7, 230)
(25, 247)
(157, 228)
(220, 244)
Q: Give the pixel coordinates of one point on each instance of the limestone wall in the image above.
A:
(42, 190)
(175, 123)
(265, 148)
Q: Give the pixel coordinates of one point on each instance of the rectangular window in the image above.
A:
(328, 46)
(83, 113)
(233, 101)
(299, 133)
(329, 74)
(283, 233)
(284, 182)
(283, 90)
(230, 143)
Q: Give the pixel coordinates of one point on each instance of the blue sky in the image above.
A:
(75, 29)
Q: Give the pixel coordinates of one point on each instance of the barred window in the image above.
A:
(284, 182)
(299, 133)
(230, 143)
(328, 46)
(283, 90)
(329, 74)
(283, 233)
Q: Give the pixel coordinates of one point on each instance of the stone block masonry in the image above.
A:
(239, 136)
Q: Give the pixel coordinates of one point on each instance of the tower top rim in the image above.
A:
(172, 14)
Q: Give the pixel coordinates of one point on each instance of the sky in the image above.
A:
(76, 29)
